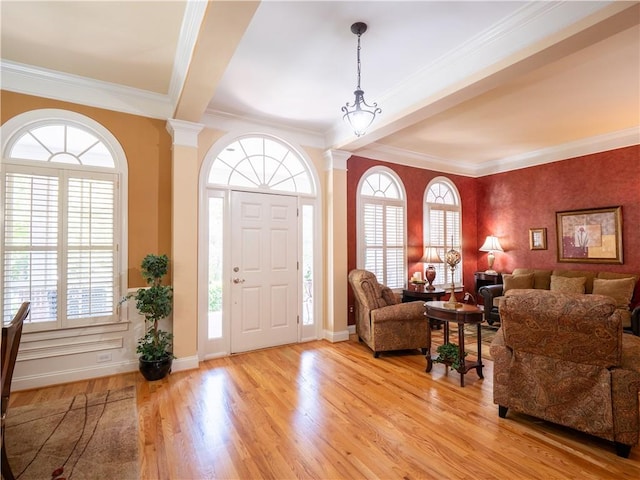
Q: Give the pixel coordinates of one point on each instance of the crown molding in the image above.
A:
(25, 79)
(386, 153)
(228, 123)
(578, 148)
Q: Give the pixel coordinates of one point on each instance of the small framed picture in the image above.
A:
(537, 239)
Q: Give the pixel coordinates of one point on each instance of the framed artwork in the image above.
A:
(590, 235)
(537, 239)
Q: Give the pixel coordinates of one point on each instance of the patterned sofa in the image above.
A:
(382, 321)
(623, 287)
(563, 358)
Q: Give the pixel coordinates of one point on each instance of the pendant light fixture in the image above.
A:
(359, 115)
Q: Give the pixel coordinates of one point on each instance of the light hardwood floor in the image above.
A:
(332, 411)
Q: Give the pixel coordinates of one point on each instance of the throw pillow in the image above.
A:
(621, 290)
(510, 282)
(567, 284)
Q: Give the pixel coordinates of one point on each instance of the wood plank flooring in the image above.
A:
(332, 411)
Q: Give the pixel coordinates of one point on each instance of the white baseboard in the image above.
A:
(75, 375)
(352, 329)
(334, 337)
(185, 363)
(95, 371)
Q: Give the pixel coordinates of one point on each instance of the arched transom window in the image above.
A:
(261, 162)
(64, 143)
(382, 226)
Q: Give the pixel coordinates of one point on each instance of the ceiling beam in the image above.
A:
(222, 29)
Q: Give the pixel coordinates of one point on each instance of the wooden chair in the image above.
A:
(10, 342)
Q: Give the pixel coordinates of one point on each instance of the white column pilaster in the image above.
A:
(335, 327)
(184, 240)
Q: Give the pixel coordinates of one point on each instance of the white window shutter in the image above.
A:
(30, 260)
(384, 249)
(90, 248)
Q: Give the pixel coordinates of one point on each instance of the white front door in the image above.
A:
(264, 275)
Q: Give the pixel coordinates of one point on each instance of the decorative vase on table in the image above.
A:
(430, 257)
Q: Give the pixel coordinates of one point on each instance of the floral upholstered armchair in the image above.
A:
(564, 358)
(382, 321)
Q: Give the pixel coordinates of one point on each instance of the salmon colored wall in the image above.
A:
(147, 145)
(513, 202)
(415, 182)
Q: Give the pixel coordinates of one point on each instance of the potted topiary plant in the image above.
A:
(154, 302)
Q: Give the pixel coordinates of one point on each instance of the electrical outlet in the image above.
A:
(104, 357)
(350, 308)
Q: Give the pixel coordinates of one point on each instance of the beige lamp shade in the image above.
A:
(491, 244)
(431, 256)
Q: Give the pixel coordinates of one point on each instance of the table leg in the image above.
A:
(428, 355)
(462, 367)
(479, 367)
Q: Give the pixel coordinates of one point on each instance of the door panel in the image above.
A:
(264, 287)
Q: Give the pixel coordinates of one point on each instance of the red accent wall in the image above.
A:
(415, 182)
(509, 204)
(513, 202)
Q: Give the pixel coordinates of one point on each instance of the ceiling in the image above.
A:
(472, 88)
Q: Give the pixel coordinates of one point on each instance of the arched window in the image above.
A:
(61, 206)
(382, 226)
(443, 226)
(263, 163)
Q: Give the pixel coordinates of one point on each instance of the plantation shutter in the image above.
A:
(90, 248)
(444, 234)
(30, 260)
(60, 248)
(384, 242)
(437, 240)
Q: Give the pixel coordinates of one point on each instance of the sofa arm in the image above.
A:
(635, 321)
(489, 292)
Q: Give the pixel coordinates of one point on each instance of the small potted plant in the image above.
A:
(449, 355)
(154, 302)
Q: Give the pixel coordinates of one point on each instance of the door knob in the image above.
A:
(237, 280)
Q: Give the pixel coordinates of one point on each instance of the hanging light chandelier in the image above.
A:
(359, 115)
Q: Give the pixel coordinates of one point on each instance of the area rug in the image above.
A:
(88, 436)
(471, 339)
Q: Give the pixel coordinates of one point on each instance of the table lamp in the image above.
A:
(491, 244)
(430, 257)
(452, 258)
